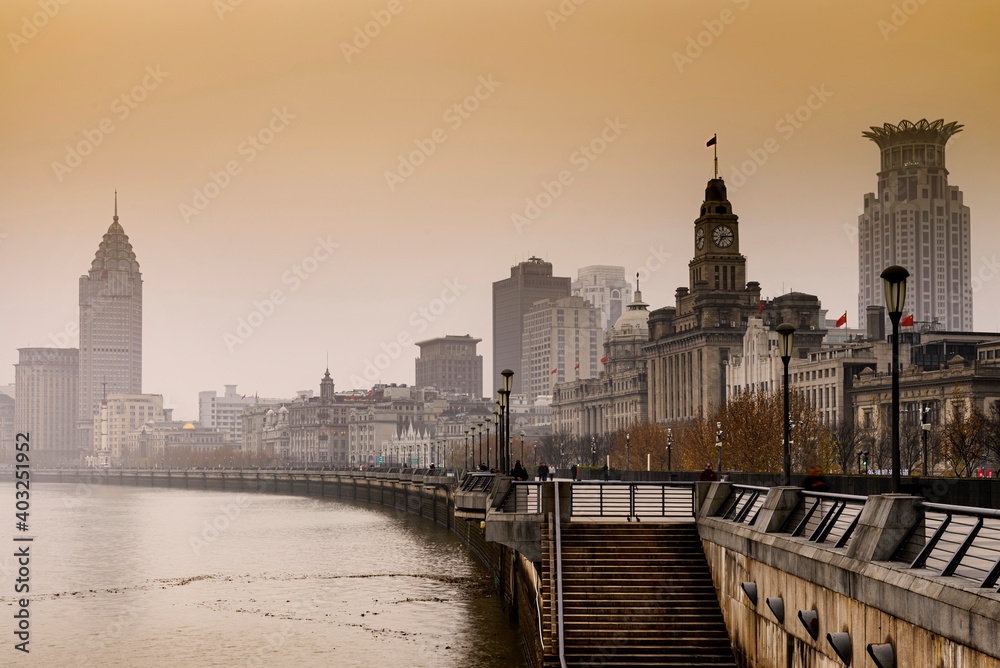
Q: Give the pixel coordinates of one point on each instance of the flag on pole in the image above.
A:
(577, 366)
(907, 321)
(243, 397)
(604, 359)
(760, 307)
(842, 320)
(711, 142)
(553, 371)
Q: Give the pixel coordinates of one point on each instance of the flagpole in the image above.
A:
(715, 152)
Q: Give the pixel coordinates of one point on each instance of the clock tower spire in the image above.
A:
(717, 264)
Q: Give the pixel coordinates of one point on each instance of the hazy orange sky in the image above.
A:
(166, 93)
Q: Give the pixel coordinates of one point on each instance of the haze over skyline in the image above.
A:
(263, 147)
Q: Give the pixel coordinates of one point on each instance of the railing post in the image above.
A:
(883, 523)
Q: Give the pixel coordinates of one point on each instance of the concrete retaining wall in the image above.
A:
(930, 621)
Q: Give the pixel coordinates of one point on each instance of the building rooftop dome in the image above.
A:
(636, 319)
(188, 426)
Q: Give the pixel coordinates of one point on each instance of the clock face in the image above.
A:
(699, 238)
(723, 236)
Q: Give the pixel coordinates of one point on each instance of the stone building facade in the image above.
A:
(691, 342)
(617, 398)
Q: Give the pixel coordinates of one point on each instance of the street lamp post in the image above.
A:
(670, 447)
(479, 428)
(489, 421)
(626, 452)
(498, 422)
(522, 448)
(508, 384)
(718, 444)
(925, 427)
(894, 284)
(593, 451)
(786, 339)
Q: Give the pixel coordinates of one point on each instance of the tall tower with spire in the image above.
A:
(110, 328)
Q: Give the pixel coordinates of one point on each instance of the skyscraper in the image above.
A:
(450, 364)
(562, 342)
(916, 220)
(45, 408)
(606, 288)
(513, 297)
(110, 328)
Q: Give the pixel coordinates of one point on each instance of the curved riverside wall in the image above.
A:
(929, 621)
(429, 497)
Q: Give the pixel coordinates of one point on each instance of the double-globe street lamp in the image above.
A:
(894, 284)
(718, 444)
(670, 447)
(786, 340)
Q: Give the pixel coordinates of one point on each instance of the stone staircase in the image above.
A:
(633, 595)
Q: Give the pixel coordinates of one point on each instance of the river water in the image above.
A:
(162, 577)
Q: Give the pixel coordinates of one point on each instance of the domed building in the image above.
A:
(615, 399)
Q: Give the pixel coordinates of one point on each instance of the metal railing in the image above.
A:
(522, 497)
(632, 499)
(823, 516)
(743, 504)
(559, 580)
(963, 542)
(477, 482)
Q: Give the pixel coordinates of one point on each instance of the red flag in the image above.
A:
(637, 355)
(761, 307)
(842, 320)
(243, 397)
(553, 371)
(907, 321)
(577, 366)
(604, 359)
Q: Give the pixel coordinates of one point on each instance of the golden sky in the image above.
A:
(303, 120)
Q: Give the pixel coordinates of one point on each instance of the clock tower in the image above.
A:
(717, 264)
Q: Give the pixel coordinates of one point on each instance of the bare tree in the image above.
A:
(962, 434)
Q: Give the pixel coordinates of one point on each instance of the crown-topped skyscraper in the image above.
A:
(110, 328)
(915, 219)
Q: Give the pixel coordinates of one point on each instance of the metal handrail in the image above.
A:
(598, 498)
(739, 513)
(985, 551)
(559, 581)
(831, 517)
(528, 491)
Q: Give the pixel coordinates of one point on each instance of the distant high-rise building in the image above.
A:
(226, 412)
(530, 281)
(450, 364)
(606, 288)
(45, 407)
(7, 431)
(8, 390)
(110, 328)
(118, 416)
(916, 220)
(562, 342)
